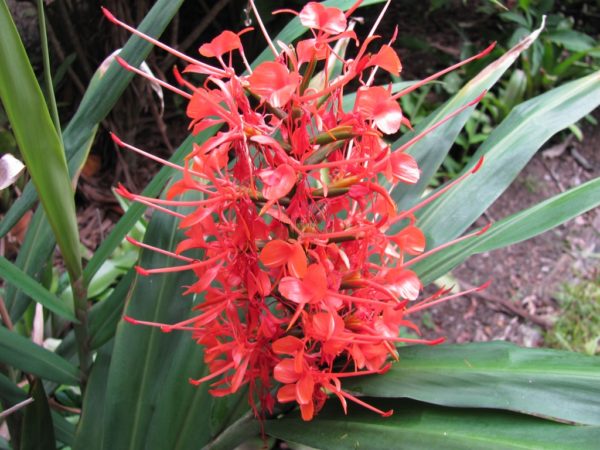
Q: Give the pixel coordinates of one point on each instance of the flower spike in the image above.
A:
(303, 284)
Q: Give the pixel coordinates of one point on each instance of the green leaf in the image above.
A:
(500, 375)
(420, 426)
(572, 40)
(89, 429)
(9, 391)
(63, 429)
(9, 271)
(513, 229)
(33, 256)
(21, 353)
(431, 150)
(105, 315)
(506, 152)
(38, 430)
(38, 141)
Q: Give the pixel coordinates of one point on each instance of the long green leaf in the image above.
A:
(498, 375)
(33, 256)
(21, 353)
(513, 229)
(89, 429)
(9, 391)
(9, 271)
(105, 315)
(420, 426)
(431, 150)
(38, 141)
(506, 151)
(38, 429)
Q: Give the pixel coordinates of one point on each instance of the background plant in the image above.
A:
(134, 398)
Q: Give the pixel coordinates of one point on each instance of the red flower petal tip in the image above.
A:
(130, 320)
(142, 271)
(478, 165)
(116, 139)
(108, 14)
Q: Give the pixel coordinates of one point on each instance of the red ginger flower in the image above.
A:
(303, 282)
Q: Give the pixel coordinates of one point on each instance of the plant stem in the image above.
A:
(82, 329)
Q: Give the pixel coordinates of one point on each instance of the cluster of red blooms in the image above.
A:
(306, 268)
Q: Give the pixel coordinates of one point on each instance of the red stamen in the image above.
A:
(182, 268)
(447, 244)
(159, 44)
(423, 305)
(443, 72)
(147, 76)
(222, 370)
(157, 250)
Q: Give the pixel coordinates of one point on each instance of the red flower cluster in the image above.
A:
(306, 269)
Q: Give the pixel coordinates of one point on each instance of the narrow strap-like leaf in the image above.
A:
(14, 275)
(21, 353)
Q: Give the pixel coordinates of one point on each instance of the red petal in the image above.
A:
(387, 59)
(223, 43)
(325, 325)
(308, 411)
(304, 389)
(284, 372)
(319, 17)
(274, 81)
(287, 393)
(309, 49)
(278, 182)
(297, 263)
(404, 283)
(275, 254)
(376, 104)
(404, 167)
(287, 345)
(316, 281)
(295, 290)
(410, 240)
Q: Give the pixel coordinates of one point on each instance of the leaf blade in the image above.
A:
(499, 375)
